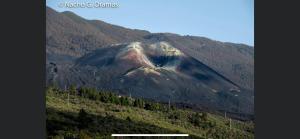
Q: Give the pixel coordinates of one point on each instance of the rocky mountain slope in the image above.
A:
(160, 66)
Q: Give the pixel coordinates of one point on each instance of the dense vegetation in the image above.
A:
(87, 113)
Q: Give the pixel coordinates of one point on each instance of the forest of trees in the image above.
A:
(111, 97)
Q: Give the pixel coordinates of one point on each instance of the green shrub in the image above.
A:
(128, 119)
(124, 101)
(138, 103)
(73, 89)
(84, 119)
(152, 106)
(204, 116)
(84, 135)
(104, 97)
(175, 115)
(113, 98)
(195, 119)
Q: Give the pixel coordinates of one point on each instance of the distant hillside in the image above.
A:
(71, 35)
(213, 74)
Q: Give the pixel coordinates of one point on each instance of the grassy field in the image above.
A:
(74, 116)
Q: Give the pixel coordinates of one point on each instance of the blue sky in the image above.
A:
(222, 20)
